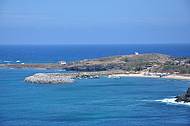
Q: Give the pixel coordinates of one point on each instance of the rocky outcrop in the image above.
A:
(184, 97)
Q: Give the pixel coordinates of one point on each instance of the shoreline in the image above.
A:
(177, 77)
(171, 76)
(151, 65)
(53, 78)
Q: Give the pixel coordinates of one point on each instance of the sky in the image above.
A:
(94, 21)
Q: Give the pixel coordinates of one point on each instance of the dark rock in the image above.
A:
(184, 97)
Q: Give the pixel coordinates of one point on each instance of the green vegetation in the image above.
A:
(142, 62)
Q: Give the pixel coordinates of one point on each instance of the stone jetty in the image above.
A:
(44, 78)
(58, 78)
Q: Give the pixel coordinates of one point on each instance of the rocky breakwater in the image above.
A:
(58, 78)
(184, 97)
(49, 78)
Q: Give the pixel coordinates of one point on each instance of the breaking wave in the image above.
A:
(172, 101)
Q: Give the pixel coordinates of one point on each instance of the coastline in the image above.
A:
(131, 75)
(177, 77)
(70, 77)
(171, 76)
(150, 65)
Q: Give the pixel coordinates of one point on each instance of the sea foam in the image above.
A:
(7, 61)
(18, 61)
(172, 101)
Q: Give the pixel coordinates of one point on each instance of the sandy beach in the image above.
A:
(131, 75)
(172, 76)
(65, 77)
(179, 77)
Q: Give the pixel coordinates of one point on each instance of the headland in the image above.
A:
(136, 65)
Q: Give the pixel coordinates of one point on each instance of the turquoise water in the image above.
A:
(88, 102)
(104, 101)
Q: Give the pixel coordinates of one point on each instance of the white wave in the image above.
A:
(62, 70)
(114, 76)
(7, 61)
(18, 61)
(172, 101)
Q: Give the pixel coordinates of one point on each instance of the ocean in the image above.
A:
(54, 53)
(128, 101)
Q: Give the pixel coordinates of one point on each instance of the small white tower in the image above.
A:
(62, 62)
(136, 53)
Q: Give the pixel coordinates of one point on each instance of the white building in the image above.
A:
(136, 53)
(62, 62)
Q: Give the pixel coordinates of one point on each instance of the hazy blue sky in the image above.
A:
(94, 21)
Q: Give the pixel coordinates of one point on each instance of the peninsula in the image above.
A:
(135, 65)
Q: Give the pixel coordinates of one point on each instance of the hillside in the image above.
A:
(152, 62)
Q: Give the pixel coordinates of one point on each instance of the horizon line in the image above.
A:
(95, 44)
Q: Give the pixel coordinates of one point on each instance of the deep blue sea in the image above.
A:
(54, 53)
(88, 102)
